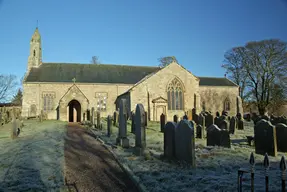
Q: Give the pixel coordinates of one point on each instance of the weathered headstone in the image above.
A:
(146, 119)
(184, 142)
(162, 122)
(217, 114)
(175, 118)
(201, 120)
(93, 116)
(99, 120)
(140, 138)
(224, 125)
(133, 126)
(232, 125)
(281, 133)
(217, 137)
(122, 139)
(115, 118)
(169, 140)
(240, 124)
(185, 117)
(199, 131)
(209, 120)
(109, 125)
(265, 138)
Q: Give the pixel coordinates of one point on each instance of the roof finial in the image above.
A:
(37, 24)
(74, 80)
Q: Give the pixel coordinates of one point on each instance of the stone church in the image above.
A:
(68, 91)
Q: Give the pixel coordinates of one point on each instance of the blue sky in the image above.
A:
(136, 32)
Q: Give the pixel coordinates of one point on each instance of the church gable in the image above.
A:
(74, 93)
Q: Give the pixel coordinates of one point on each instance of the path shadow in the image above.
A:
(84, 154)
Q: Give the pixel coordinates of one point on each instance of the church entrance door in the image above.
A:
(74, 111)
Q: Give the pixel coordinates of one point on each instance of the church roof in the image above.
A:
(215, 81)
(89, 73)
(104, 73)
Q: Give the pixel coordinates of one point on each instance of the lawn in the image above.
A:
(35, 160)
(216, 167)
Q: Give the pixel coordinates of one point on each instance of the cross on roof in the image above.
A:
(74, 80)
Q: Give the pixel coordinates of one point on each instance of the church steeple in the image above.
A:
(35, 57)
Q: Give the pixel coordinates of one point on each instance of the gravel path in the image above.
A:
(89, 166)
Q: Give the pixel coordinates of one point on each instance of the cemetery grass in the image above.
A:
(216, 167)
(35, 160)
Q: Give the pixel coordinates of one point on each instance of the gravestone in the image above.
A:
(175, 118)
(217, 121)
(109, 125)
(146, 119)
(224, 125)
(133, 128)
(199, 132)
(162, 122)
(217, 114)
(185, 117)
(265, 138)
(169, 140)
(281, 134)
(193, 112)
(240, 124)
(93, 116)
(84, 117)
(140, 138)
(189, 114)
(122, 139)
(99, 126)
(116, 116)
(184, 142)
(218, 137)
(232, 125)
(201, 120)
(208, 120)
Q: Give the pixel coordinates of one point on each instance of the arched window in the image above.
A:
(175, 95)
(226, 105)
(34, 53)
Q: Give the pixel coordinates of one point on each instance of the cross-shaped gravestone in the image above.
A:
(74, 80)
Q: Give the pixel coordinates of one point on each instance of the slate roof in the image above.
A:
(215, 81)
(104, 73)
(89, 73)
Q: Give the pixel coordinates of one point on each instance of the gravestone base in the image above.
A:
(139, 151)
(123, 142)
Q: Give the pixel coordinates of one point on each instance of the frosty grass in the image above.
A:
(216, 167)
(35, 160)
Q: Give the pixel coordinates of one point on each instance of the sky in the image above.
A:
(136, 32)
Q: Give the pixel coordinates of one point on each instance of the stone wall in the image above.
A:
(32, 94)
(156, 86)
(214, 98)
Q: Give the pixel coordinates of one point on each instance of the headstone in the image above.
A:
(240, 124)
(146, 119)
(217, 121)
(162, 122)
(99, 120)
(199, 132)
(201, 120)
(109, 125)
(122, 139)
(224, 125)
(93, 116)
(265, 138)
(189, 114)
(115, 118)
(281, 134)
(140, 138)
(84, 117)
(185, 117)
(184, 142)
(217, 114)
(209, 120)
(232, 125)
(169, 140)
(193, 111)
(133, 126)
(175, 118)
(217, 137)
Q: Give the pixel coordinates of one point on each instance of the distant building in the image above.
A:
(67, 91)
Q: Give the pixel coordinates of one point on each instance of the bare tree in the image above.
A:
(95, 60)
(8, 84)
(164, 61)
(259, 66)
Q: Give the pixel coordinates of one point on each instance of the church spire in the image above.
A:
(35, 57)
